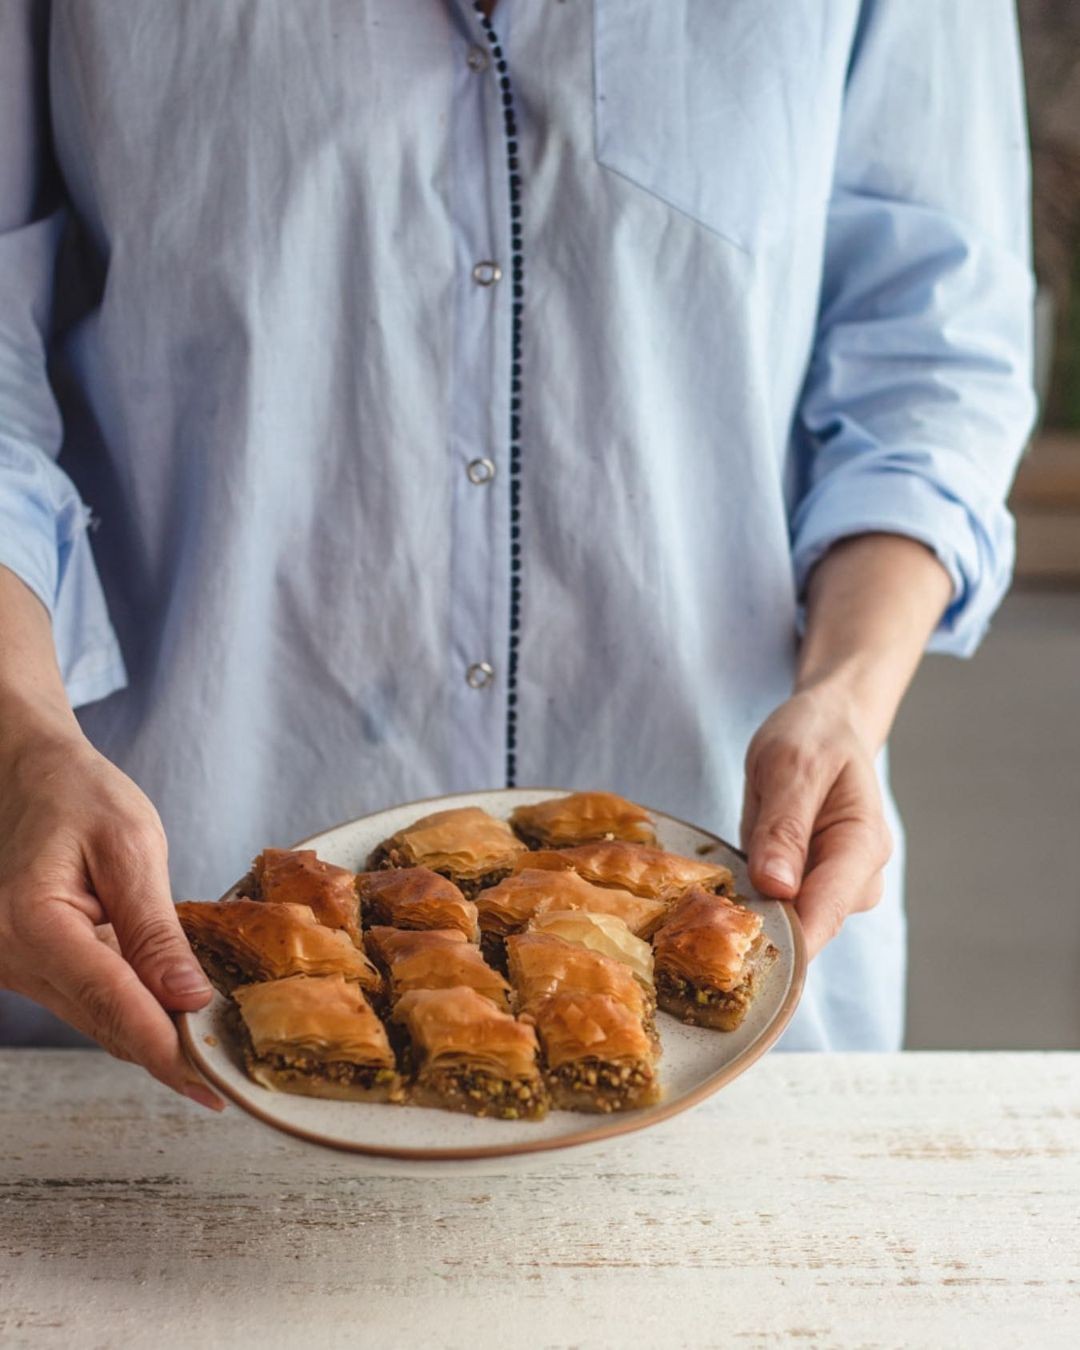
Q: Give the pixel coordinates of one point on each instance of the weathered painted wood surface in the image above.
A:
(916, 1200)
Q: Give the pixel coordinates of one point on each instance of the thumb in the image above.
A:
(780, 838)
(129, 873)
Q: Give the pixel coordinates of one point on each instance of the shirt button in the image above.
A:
(487, 273)
(479, 675)
(480, 471)
(477, 60)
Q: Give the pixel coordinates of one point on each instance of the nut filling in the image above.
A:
(482, 1094)
(222, 973)
(704, 1005)
(331, 1071)
(593, 1085)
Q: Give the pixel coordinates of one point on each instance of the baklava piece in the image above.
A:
(597, 1054)
(508, 907)
(581, 818)
(465, 844)
(245, 941)
(416, 897)
(466, 1055)
(299, 877)
(710, 957)
(436, 959)
(318, 1037)
(637, 868)
(541, 966)
(603, 933)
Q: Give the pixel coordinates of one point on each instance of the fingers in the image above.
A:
(846, 878)
(93, 987)
(129, 873)
(780, 824)
(814, 798)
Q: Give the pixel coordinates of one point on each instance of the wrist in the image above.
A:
(29, 723)
(848, 692)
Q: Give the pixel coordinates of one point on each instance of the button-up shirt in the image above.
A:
(435, 403)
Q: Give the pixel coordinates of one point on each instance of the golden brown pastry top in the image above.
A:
(582, 817)
(603, 933)
(632, 867)
(438, 959)
(590, 1026)
(464, 841)
(299, 877)
(514, 901)
(707, 939)
(325, 1017)
(268, 942)
(460, 1028)
(416, 897)
(541, 965)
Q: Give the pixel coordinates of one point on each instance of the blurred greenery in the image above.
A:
(1050, 37)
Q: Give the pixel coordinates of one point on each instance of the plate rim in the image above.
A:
(607, 1127)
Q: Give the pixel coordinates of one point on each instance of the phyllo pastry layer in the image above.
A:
(300, 877)
(244, 941)
(603, 933)
(597, 1054)
(416, 897)
(466, 1055)
(465, 844)
(710, 956)
(581, 818)
(508, 907)
(318, 1037)
(541, 965)
(632, 867)
(435, 959)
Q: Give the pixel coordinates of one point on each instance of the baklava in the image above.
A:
(318, 1037)
(597, 1054)
(466, 1055)
(435, 959)
(244, 941)
(508, 907)
(581, 818)
(300, 877)
(637, 868)
(416, 897)
(603, 933)
(465, 844)
(541, 965)
(710, 956)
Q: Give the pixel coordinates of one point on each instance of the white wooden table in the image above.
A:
(908, 1201)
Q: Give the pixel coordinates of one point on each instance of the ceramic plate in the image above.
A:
(696, 1062)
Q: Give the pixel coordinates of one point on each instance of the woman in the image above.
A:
(468, 400)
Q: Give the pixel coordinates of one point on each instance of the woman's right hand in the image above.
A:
(87, 923)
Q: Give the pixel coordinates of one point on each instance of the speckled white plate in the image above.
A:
(696, 1062)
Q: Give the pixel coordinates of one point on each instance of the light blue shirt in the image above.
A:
(461, 405)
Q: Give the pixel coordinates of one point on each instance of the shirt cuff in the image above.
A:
(977, 551)
(51, 554)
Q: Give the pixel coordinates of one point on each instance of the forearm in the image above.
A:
(872, 603)
(32, 695)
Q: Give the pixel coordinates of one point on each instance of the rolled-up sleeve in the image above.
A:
(43, 523)
(919, 398)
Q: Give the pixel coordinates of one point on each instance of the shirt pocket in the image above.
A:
(728, 112)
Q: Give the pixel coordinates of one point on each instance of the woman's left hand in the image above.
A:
(813, 823)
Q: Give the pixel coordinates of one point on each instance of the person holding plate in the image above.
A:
(403, 399)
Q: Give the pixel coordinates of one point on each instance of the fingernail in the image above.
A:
(184, 981)
(203, 1096)
(779, 870)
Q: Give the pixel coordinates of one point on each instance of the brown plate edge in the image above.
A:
(612, 1127)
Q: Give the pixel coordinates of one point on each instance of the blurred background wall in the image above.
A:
(986, 754)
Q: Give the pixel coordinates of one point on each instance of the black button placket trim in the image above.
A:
(517, 282)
